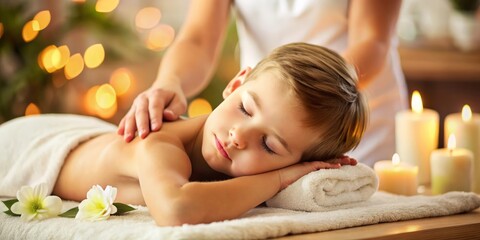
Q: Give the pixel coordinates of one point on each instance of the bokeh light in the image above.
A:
(199, 107)
(94, 55)
(91, 105)
(1, 30)
(106, 6)
(160, 37)
(28, 33)
(105, 96)
(48, 58)
(63, 57)
(74, 66)
(147, 17)
(32, 109)
(121, 80)
(41, 20)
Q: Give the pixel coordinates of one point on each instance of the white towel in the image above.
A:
(328, 189)
(34, 148)
(259, 223)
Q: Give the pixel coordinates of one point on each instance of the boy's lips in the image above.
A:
(221, 149)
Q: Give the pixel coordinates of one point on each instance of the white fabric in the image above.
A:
(328, 189)
(34, 148)
(259, 223)
(266, 24)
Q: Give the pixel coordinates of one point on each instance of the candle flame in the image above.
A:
(417, 105)
(466, 113)
(395, 159)
(452, 142)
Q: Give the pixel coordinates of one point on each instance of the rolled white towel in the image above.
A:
(328, 189)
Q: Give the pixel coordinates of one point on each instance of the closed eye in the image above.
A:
(243, 110)
(265, 146)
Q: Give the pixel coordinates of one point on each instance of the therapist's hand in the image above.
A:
(149, 109)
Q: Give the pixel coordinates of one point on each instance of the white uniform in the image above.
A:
(263, 25)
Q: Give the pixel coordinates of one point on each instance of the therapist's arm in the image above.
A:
(371, 25)
(185, 70)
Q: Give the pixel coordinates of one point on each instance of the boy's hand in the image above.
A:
(292, 173)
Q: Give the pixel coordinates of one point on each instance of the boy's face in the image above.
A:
(257, 128)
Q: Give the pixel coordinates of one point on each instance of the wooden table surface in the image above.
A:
(459, 226)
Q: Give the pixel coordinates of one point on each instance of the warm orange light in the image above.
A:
(121, 80)
(106, 113)
(106, 5)
(106, 96)
(74, 66)
(41, 19)
(417, 105)
(1, 30)
(28, 33)
(160, 37)
(63, 56)
(48, 58)
(94, 55)
(89, 100)
(32, 109)
(466, 113)
(147, 17)
(199, 107)
(452, 142)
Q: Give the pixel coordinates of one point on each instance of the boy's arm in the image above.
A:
(164, 170)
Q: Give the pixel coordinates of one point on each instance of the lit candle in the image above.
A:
(452, 168)
(396, 177)
(466, 127)
(416, 133)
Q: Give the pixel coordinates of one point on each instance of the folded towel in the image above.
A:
(34, 148)
(258, 223)
(328, 189)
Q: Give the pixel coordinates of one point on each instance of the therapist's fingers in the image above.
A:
(177, 107)
(130, 125)
(155, 112)
(142, 118)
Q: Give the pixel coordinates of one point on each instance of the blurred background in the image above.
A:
(93, 57)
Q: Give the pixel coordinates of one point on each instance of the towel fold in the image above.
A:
(328, 189)
(35, 147)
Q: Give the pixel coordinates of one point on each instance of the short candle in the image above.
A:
(396, 177)
(452, 168)
(466, 127)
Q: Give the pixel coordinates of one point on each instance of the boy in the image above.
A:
(297, 105)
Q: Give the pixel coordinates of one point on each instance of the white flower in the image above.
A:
(3, 207)
(98, 205)
(34, 204)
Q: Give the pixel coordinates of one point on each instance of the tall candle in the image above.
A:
(416, 135)
(396, 177)
(466, 127)
(452, 168)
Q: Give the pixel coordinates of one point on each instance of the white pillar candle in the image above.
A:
(416, 135)
(466, 127)
(396, 177)
(452, 168)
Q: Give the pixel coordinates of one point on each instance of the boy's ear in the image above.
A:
(236, 82)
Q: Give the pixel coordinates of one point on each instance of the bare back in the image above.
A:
(109, 160)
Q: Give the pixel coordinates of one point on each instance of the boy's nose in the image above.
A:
(236, 138)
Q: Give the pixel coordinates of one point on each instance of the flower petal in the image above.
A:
(41, 190)
(3, 207)
(53, 205)
(25, 194)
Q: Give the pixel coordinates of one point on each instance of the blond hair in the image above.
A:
(326, 86)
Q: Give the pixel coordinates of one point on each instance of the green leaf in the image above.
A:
(122, 208)
(70, 213)
(9, 204)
